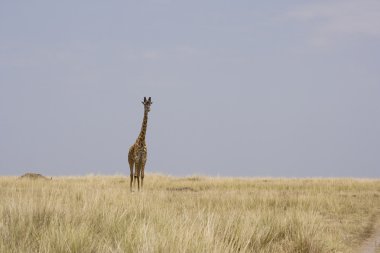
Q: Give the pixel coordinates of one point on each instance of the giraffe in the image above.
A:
(138, 152)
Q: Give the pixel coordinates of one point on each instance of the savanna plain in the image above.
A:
(186, 214)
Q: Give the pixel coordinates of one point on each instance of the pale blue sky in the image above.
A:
(240, 88)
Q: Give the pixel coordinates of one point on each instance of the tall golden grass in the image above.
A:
(193, 214)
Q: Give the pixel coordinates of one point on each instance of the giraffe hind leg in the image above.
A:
(131, 163)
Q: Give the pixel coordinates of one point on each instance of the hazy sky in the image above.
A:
(239, 88)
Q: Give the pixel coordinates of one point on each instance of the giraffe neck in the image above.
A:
(141, 137)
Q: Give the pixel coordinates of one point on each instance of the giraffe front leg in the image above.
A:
(137, 174)
(142, 179)
(142, 174)
(138, 183)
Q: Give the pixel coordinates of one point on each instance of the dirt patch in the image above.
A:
(181, 189)
(372, 243)
(34, 176)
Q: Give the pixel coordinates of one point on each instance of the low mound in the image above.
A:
(33, 176)
(181, 189)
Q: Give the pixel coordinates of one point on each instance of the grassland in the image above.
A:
(193, 214)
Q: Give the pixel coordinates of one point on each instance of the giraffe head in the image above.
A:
(147, 103)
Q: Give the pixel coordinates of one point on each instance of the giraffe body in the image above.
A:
(138, 152)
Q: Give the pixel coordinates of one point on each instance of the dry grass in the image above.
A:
(195, 214)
